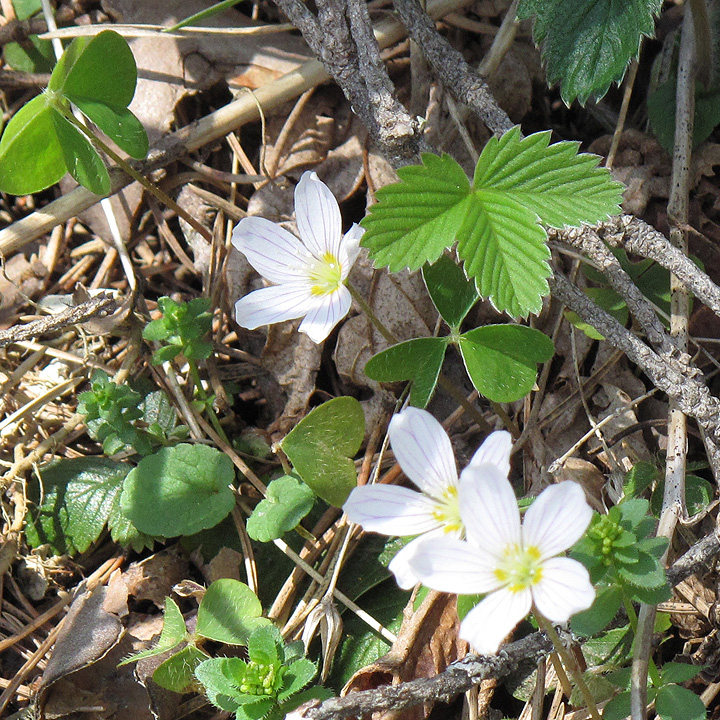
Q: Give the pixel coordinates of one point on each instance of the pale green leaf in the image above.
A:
(287, 501)
(173, 633)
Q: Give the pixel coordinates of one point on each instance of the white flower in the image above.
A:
(309, 273)
(423, 450)
(516, 565)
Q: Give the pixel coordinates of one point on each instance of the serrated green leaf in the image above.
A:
(77, 501)
(416, 219)
(321, 446)
(501, 360)
(157, 409)
(587, 44)
(640, 477)
(287, 501)
(179, 490)
(173, 633)
(31, 158)
(119, 124)
(419, 360)
(81, 159)
(632, 512)
(177, 673)
(612, 646)
(645, 573)
(298, 675)
(650, 596)
(221, 678)
(562, 186)
(452, 293)
(229, 612)
(678, 703)
(265, 646)
(123, 532)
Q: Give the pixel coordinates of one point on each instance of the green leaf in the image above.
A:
(608, 300)
(173, 633)
(645, 573)
(264, 646)
(678, 703)
(600, 614)
(287, 501)
(298, 675)
(587, 44)
(221, 679)
(321, 446)
(119, 124)
(452, 293)
(177, 672)
(640, 477)
(632, 512)
(179, 490)
(612, 646)
(419, 360)
(33, 55)
(675, 672)
(618, 708)
(416, 219)
(123, 532)
(661, 113)
(31, 158)
(518, 183)
(649, 596)
(158, 410)
(77, 501)
(229, 612)
(81, 159)
(501, 360)
(101, 69)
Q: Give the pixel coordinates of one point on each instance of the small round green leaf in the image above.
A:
(229, 612)
(31, 157)
(419, 360)
(287, 501)
(321, 446)
(179, 490)
(501, 360)
(102, 70)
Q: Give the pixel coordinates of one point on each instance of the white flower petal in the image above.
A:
(391, 510)
(423, 449)
(325, 313)
(350, 248)
(492, 620)
(276, 254)
(495, 450)
(489, 509)
(557, 519)
(454, 566)
(400, 566)
(273, 304)
(318, 216)
(563, 590)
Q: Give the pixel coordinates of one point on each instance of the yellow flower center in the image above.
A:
(325, 275)
(519, 568)
(447, 511)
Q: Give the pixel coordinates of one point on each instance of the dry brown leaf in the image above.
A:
(427, 643)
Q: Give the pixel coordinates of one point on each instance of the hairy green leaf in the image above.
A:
(178, 671)
(287, 501)
(173, 633)
(588, 44)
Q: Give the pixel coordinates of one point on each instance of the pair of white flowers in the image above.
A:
(515, 564)
(309, 274)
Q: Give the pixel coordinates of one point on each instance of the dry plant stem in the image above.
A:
(703, 41)
(668, 373)
(569, 662)
(449, 65)
(502, 42)
(622, 115)
(674, 494)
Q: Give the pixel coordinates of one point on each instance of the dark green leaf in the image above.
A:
(419, 360)
(229, 612)
(647, 572)
(587, 44)
(32, 55)
(265, 646)
(608, 300)
(298, 675)
(640, 477)
(452, 293)
(678, 703)
(501, 360)
(596, 618)
(77, 501)
(177, 673)
(287, 501)
(31, 157)
(675, 672)
(81, 158)
(119, 124)
(321, 446)
(179, 490)
(618, 708)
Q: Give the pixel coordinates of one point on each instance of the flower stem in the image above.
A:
(135, 175)
(569, 662)
(448, 386)
(197, 382)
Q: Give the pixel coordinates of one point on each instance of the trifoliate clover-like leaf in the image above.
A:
(520, 184)
(588, 44)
